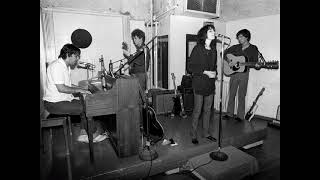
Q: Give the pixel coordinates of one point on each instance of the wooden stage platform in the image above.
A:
(107, 165)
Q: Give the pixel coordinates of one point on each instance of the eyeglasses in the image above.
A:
(77, 56)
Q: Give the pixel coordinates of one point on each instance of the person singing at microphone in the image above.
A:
(137, 65)
(203, 67)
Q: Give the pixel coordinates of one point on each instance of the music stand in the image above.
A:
(218, 155)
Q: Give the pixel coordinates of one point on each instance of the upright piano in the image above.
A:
(123, 100)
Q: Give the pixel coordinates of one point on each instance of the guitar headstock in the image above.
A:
(271, 65)
(173, 76)
(261, 91)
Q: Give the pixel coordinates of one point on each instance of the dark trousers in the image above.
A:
(142, 77)
(238, 82)
(70, 108)
(206, 102)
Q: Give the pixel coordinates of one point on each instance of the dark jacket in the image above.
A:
(136, 62)
(251, 53)
(202, 59)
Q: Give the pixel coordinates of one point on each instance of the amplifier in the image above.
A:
(162, 101)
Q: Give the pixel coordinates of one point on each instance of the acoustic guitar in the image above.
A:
(178, 107)
(241, 63)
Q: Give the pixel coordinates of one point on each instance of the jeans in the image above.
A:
(238, 82)
(142, 77)
(206, 102)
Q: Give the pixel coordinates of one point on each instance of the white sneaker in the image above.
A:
(165, 142)
(83, 138)
(100, 138)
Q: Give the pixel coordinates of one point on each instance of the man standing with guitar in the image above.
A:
(203, 66)
(239, 81)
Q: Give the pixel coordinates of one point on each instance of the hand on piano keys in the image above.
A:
(84, 91)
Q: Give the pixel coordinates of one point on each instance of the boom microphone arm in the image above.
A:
(134, 55)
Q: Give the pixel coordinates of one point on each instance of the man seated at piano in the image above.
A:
(59, 93)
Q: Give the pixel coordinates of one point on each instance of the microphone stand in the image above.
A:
(129, 62)
(218, 155)
(146, 153)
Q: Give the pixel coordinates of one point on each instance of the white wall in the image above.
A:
(265, 33)
(106, 32)
(179, 27)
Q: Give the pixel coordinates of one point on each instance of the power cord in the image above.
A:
(150, 162)
(202, 165)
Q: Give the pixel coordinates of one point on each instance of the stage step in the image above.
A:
(238, 165)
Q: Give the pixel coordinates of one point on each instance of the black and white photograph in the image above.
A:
(160, 89)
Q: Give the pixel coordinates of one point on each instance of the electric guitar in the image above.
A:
(241, 63)
(178, 107)
(254, 106)
(151, 127)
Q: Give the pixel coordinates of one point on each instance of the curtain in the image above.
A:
(47, 47)
(47, 44)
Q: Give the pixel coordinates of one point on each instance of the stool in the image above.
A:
(67, 118)
(48, 116)
(53, 122)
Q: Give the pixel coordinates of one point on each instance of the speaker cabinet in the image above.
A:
(162, 100)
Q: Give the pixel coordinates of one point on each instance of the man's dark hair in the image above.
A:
(244, 32)
(139, 33)
(202, 35)
(67, 51)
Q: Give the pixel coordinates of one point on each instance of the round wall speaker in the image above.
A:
(81, 38)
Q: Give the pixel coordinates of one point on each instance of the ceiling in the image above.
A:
(139, 9)
(242, 9)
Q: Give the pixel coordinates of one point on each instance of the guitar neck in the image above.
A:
(255, 101)
(248, 63)
(175, 89)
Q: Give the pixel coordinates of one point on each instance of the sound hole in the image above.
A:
(236, 66)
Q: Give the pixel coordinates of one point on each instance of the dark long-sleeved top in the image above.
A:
(137, 64)
(251, 52)
(202, 60)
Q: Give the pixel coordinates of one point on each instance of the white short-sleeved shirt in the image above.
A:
(57, 73)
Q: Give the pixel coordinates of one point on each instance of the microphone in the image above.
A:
(221, 35)
(84, 65)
